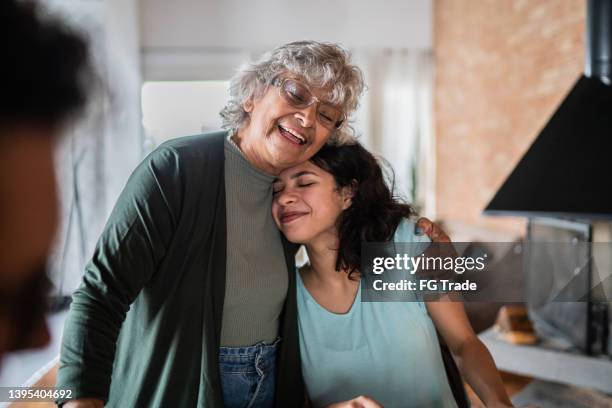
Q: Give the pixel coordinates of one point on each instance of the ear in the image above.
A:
(248, 105)
(347, 195)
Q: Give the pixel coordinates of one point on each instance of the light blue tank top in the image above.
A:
(386, 350)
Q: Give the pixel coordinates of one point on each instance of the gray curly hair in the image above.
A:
(323, 65)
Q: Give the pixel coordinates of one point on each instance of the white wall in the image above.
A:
(124, 146)
(264, 23)
(208, 39)
(183, 38)
(99, 152)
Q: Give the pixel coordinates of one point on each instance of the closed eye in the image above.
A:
(297, 98)
(277, 188)
(325, 117)
(306, 184)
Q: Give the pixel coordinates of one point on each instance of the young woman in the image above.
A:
(386, 350)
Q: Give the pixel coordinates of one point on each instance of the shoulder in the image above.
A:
(189, 155)
(405, 232)
(407, 241)
(196, 146)
(183, 165)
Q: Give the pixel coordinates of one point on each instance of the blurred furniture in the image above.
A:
(551, 360)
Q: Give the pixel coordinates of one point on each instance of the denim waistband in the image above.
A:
(262, 349)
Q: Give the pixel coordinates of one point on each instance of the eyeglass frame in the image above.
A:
(278, 82)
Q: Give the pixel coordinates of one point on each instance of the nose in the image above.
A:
(308, 115)
(286, 197)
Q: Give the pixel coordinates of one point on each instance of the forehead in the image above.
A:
(296, 171)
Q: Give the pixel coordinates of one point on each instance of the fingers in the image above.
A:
(364, 402)
(432, 230)
(360, 402)
(437, 235)
(367, 402)
(423, 226)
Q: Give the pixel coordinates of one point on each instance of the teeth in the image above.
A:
(300, 137)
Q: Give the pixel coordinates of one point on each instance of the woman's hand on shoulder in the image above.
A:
(432, 230)
(437, 235)
(360, 402)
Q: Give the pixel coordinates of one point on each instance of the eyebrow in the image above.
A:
(303, 173)
(296, 175)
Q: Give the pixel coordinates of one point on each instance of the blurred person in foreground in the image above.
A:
(43, 70)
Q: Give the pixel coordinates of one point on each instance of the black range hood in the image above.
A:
(567, 171)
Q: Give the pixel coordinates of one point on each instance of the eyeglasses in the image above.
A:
(299, 96)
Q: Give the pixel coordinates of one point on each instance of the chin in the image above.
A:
(296, 237)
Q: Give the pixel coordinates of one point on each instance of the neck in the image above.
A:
(243, 141)
(323, 254)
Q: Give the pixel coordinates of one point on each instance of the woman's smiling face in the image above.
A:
(283, 135)
(307, 203)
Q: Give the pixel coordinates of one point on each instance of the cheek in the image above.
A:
(30, 217)
(321, 137)
(268, 111)
(325, 209)
(275, 208)
(331, 214)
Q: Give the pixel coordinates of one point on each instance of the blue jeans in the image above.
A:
(248, 375)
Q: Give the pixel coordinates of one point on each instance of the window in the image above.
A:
(179, 108)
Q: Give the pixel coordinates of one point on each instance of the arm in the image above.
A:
(474, 360)
(128, 252)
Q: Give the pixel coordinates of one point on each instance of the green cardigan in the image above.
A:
(144, 327)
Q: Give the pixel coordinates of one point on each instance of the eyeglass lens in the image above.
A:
(299, 96)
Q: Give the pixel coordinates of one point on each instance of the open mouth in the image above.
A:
(287, 217)
(292, 136)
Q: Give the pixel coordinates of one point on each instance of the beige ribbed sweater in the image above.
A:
(256, 272)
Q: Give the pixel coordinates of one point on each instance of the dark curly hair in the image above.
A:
(45, 67)
(375, 212)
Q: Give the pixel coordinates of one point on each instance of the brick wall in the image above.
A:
(502, 67)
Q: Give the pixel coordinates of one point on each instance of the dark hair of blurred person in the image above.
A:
(44, 73)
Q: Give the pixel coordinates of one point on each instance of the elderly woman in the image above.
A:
(189, 298)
